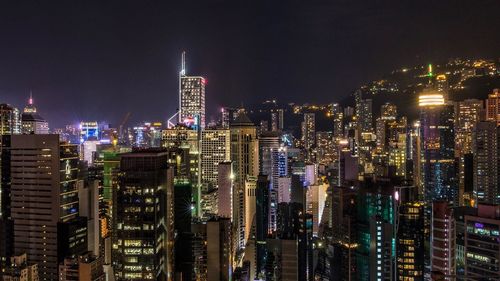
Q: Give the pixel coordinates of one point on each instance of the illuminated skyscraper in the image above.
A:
(225, 190)
(32, 122)
(440, 180)
(191, 98)
(443, 239)
(215, 148)
(486, 167)
(467, 114)
(309, 130)
(365, 114)
(89, 130)
(493, 106)
(10, 123)
(410, 242)
(245, 158)
(43, 179)
(143, 237)
(338, 120)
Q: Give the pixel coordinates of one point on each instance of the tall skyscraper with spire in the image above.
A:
(32, 122)
(191, 97)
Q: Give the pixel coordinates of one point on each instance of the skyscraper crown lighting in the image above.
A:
(430, 99)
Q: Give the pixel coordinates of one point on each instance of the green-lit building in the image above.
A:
(375, 231)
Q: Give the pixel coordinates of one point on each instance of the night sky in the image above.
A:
(97, 60)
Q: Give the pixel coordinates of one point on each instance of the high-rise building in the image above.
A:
(245, 158)
(225, 190)
(219, 255)
(281, 119)
(338, 121)
(269, 149)
(485, 145)
(282, 259)
(309, 130)
(440, 180)
(41, 175)
(250, 206)
(467, 114)
(274, 121)
(315, 203)
(191, 98)
(482, 250)
(410, 242)
(493, 106)
(215, 148)
(443, 250)
(389, 111)
(144, 221)
(10, 122)
(342, 222)
(89, 130)
(325, 148)
(375, 230)
(261, 221)
(364, 112)
(32, 122)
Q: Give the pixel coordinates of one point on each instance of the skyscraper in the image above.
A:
(144, 221)
(443, 238)
(43, 175)
(309, 130)
(486, 166)
(438, 141)
(493, 106)
(467, 114)
(410, 242)
(191, 98)
(32, 122)
(215, 148)
(10, 122)
(365, 114)
(225, 190)
(245, 158)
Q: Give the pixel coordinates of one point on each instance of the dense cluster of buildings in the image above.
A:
(373, 198)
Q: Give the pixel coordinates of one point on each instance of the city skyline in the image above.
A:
(273, 151)
(106, 56)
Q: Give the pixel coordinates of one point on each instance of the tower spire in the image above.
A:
(30, 101)
(183, 63)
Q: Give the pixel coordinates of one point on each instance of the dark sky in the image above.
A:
(101, 59)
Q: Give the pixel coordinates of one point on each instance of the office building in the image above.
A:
(191, 99)
(440, 181)
(144, 222)
(219, 250)
(215, 148)
(410, 242)
(245, 158)
(41, 175)
(10, 122)
(482, 250)
(31, 121)
(225, 190)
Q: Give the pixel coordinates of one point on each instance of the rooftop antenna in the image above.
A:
(30, 101)
(183, 63)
